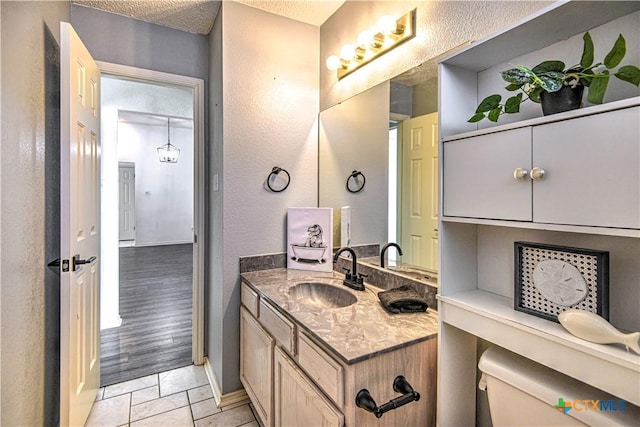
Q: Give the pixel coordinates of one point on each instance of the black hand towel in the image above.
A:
(402, 300)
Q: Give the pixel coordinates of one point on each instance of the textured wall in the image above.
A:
(126, 41)
(29, 230)
(269, 112)
(441, 26)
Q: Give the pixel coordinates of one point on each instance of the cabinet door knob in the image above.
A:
(537, 173)
(520, 174)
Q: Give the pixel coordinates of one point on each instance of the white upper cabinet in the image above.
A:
(590, 156)
(582, 171)
(592, 170)
(478, 176)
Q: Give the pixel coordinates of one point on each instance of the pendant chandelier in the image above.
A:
(168, 153)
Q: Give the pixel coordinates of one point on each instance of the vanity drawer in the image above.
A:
(249, 299)
(278, 326)
(322, 368)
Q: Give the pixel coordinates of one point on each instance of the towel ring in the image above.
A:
(359, 186)
(273, 175)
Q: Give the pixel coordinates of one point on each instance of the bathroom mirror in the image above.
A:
(389, 133)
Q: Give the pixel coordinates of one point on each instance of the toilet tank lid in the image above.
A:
(548, 385)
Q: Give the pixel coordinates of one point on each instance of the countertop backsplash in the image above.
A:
(270, 261)
(381, 278)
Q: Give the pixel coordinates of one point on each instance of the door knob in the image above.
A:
(520, 174)
(537, 173)
(77, 261)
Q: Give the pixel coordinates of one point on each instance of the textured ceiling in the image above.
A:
(197, 16)
(194, 16)
(313, 12)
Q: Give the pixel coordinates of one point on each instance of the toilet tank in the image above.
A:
(524, 393)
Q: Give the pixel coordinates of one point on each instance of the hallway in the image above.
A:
(156, 311)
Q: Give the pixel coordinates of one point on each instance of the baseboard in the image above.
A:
(177, 242)
(112, 322)
(223, 400)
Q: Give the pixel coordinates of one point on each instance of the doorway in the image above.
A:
(127, 203)
(152, 294)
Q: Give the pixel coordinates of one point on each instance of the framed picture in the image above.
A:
(551, 279)
(310, 239)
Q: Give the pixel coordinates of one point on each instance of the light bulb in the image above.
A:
(333, 63)
(365, 38)
(387, 24)
(347, 52)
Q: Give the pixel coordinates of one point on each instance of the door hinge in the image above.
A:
(195, 238)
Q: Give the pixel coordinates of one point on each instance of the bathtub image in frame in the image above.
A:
(310, 239)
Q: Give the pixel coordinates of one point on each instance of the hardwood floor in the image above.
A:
(156, 307)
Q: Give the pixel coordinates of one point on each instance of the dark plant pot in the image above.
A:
(567, 98)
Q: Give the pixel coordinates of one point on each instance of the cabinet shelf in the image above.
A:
(567, 115)
(600, 231)
(492, 317)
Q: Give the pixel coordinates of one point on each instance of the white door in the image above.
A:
(419, 227)
(80, 240)
(127, 204)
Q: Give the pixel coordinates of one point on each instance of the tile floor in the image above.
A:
(180, 397)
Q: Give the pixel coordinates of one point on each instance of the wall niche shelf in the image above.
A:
(595, 205)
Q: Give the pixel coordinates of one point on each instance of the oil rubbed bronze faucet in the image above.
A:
(384, 250)
(352, 279)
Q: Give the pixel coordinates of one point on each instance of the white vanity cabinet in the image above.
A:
(581, 171)
(587, 197)
(280, 391)
(296, 380)
(298, 402)
(256, 361)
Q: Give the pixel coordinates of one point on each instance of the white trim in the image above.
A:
(177, 242)
(199, 240)
(398, 116)
(223, 400)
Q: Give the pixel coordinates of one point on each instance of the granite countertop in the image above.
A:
(354, 333)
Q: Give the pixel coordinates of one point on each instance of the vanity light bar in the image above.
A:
(377, 44)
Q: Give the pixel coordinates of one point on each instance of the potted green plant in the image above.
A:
(557, 87)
